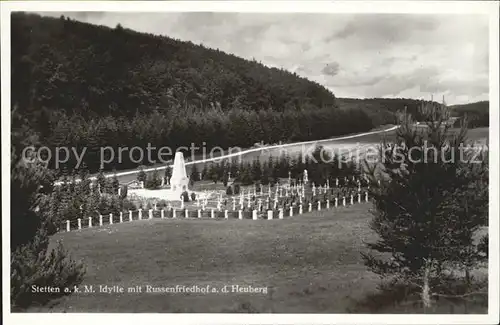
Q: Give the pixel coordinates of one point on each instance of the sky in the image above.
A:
(353, 55)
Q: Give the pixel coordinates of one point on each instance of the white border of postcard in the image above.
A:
(423, 7)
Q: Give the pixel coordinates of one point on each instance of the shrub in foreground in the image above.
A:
(34, 266)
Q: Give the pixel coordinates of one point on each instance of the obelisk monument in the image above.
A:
(179, 181)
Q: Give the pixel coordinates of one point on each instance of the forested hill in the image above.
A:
(383, 110)
(79, 85)
(120, 72)
(478, 114)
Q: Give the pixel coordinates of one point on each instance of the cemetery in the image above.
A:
(286, 198)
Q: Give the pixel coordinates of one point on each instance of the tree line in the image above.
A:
(211, 129)
(478, 114)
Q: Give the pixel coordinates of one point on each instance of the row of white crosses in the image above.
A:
(212, 212)
(297, 188)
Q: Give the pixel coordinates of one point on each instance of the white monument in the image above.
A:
(179, 181)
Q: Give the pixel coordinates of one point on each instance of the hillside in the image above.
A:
(478, 114)
(382, 110)
(143, 72)
(85, 86)
(77, 84)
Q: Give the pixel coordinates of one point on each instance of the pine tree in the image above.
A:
(245, 176)
(266, 174)
(31, 261)
(204, 172)
(195, 174)
(256, 169)
(93, 203)
(299, 166)
(428, 206)
(275, 170)
(101, 181)
(220, 169)
(153, 180)
(141, 176)
(335, 166)
(168, 173)
(115, 185)
(213, 173)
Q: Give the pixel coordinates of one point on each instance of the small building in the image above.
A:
(135, 184)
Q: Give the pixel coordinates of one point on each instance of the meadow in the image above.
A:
(308, 263)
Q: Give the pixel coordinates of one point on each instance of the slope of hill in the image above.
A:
(383, 110)
(119, 71)
(478, 114)
(81, 85)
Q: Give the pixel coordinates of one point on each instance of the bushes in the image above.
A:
(229, 190)
(128, 205)
(33, 265)
(34, 217)
(161, 204)
(153, 181)
(142, 177)
(109, 204)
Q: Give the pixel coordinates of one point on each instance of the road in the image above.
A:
(356, 144)
(343, 144)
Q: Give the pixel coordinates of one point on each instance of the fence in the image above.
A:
(288, 210)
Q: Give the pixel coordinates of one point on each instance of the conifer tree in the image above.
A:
(153, 180)
(195, 174)
(142, 177)
(101, 181)
(428, 205)
(204, 172)
(31, 261)
(266, 174)
(256, 169)
(115, 185)
(213, 173)
(245, 176)
(168, 173)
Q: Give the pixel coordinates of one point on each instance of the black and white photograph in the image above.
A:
(295, 162)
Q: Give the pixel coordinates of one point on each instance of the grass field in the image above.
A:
(309, 264)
